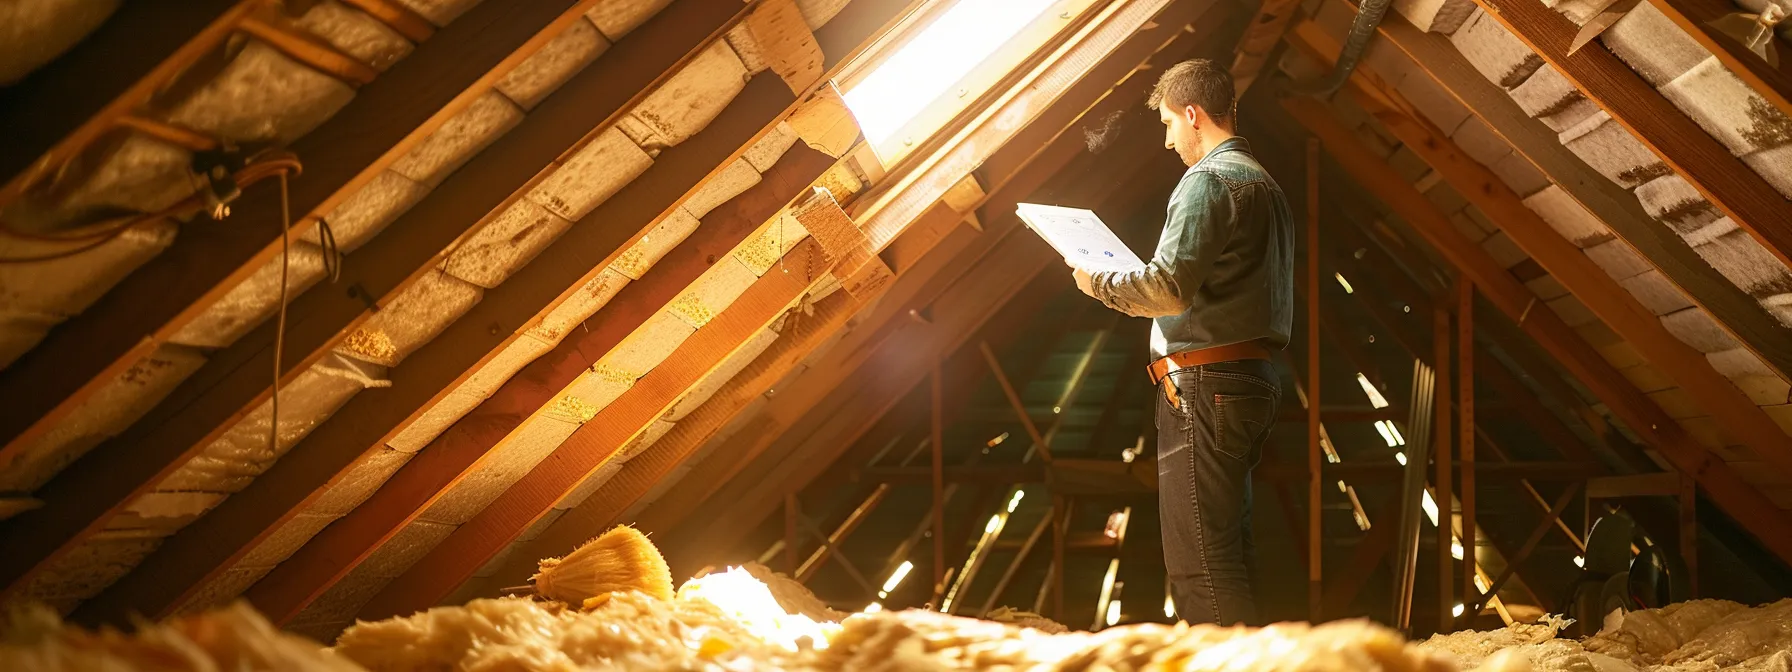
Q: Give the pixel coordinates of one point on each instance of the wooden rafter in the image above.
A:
(1434, 56)
(413, 98)
(367, 422)
(1724, 179)
(1741, 500)
(1260, 38)
(1576, 271)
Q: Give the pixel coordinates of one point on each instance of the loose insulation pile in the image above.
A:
(609, 606)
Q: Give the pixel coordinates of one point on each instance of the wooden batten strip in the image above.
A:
(1612, 204)
(412, 99)
(1724, 179)
(309, 50)
(396, 16)
(473, 544)
(409, 248)
(463, 449)
(1743, 502)
(1614, 305)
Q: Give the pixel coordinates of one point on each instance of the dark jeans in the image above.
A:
(1206, 447)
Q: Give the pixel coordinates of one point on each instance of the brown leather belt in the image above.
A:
(1221, 353)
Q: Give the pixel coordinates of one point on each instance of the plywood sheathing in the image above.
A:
(355, 33)
(35, 32)
(41, 294)
(246, 305)
(109, 411)
(489, 116)
(545, 70)
(242, 453)
(439, 12)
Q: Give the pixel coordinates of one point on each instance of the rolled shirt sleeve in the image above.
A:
(1197, 225)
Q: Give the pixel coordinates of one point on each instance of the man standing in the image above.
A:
(1221, 289)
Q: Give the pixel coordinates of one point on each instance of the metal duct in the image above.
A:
(1368, 17)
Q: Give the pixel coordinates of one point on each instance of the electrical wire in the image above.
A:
(100, 234)
(280, 321)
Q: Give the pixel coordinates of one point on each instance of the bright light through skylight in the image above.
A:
(1375, 398)
(947, 49)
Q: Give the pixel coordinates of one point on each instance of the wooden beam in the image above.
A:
(413, 98)
(1772, 82)
(1614, 305)
(112, 72)
(1315, 451)
(1660, 484)
(1689, 532)
(1020, 557)
(1611, 203)
(1055, 579)
(814, 562)
(1260, 38)
(1741, 500)
(421, 90)
(792, 511)
(1442, 442)
(1724, 179)
(466, 447)
(1465, 426)
(1524, 552)
(937, 451)
(471, 545)
(1040, 441)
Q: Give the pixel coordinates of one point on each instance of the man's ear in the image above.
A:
(1192, 114)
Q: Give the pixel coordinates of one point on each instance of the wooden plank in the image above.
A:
(1315, 451)
(1260, 38)
(1612, 204)
(1618, 308)
(1524, 552)
(814, 562)
(107, 334)
(1020, 557)
(1727, 182)
(1689, 532)
(1660, 484)
(1742, 501)
(215, 542)
(1442, 443)
(465, 448)
(1041, 442)
(936, 451)
(455, 559)
(413, 98)
(111, 72)
(1772, 82)
(1465, 426)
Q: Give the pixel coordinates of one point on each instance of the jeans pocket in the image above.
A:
(1240, 424)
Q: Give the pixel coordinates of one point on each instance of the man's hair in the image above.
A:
(1199, 82)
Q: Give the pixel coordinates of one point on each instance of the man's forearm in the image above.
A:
(1148, 292)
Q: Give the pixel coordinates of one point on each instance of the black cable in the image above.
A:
(280, 323)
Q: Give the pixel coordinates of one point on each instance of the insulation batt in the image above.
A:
(32, 639)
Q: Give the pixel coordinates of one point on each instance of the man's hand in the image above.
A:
(1082, 281)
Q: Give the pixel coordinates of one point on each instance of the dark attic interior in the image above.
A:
(440, 334)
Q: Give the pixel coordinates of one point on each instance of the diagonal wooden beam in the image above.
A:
(427, 376)
(467, 446)
(1576, 271)
(411, 100)
(468, 548)
(1040, 442)
(1435, 56)
(1524, 551)
(1676, 138)
(113, 71)
(1741, 500)
(814, 562)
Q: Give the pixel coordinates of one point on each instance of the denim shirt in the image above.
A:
(1223, 272)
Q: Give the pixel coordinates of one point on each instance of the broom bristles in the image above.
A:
(619, 560)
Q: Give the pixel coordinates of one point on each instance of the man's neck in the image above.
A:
(1212, 138)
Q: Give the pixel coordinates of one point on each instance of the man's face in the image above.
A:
(1182, 132)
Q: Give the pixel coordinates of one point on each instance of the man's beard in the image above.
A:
(1196, 151)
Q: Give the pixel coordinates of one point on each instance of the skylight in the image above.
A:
(941, 63)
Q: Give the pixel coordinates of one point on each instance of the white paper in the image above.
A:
(1080, 236)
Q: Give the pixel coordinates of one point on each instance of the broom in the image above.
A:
(616, 561)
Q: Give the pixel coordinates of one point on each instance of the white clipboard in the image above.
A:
(1080, 236)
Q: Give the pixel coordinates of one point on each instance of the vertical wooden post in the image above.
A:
(1465, 425)
(1689, 532)
(791, 512)
(1060, 527)
(1315, 455)
(1440, 481)
(939, 485)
